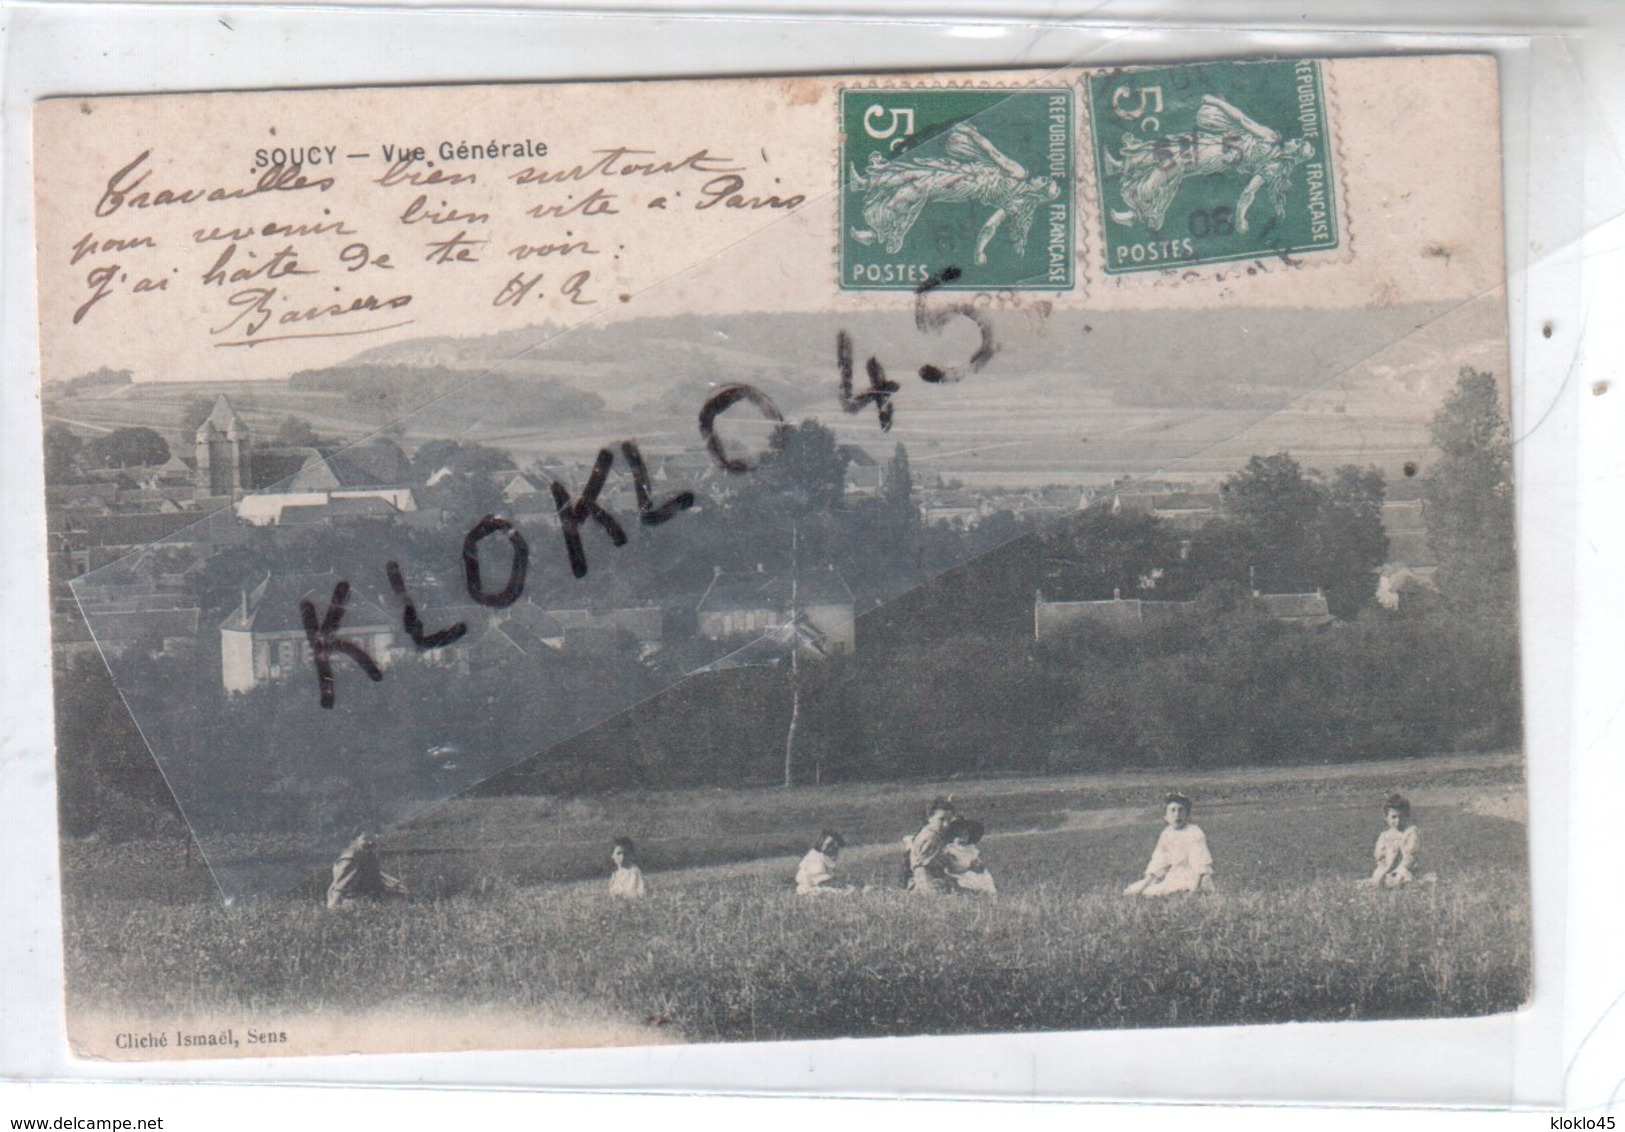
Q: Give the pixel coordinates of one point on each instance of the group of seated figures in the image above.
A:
(943, 858)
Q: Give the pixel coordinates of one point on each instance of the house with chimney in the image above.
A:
(263, 641)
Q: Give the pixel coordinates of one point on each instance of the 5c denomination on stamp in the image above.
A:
(977, 179)
(1212, 162)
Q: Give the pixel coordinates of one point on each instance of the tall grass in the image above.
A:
(722, 949)
(749, 960)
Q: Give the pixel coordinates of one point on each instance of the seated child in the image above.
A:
(1397, 847)
(816, 873)
(358, 875)
(1181, 861)
(927, 870)
(627, 880)
(966, 872)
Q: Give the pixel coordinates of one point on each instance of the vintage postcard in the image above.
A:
(651, 562)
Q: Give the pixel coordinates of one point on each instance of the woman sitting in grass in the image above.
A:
(1397, 847)
(927, 867)
(1181, 861)
(966, 872)
(359, 874)
(816, 873)
(627, 881)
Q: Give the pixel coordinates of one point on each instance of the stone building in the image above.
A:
(224, 456)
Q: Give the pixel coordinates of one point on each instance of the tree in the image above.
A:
(457, 459)
(1467, 494)
(295, 432)
(1291, 531)
(1223, 551)
(62, 447)
(898, 491)
(796, 492)
(1099, 554)
(1350, 543)
(107, 781)
(804, 470)
(878, 544)
(1279, 506)
(101, 378)
(463, 478)
(128, 447)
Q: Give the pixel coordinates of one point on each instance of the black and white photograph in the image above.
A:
(515, 583)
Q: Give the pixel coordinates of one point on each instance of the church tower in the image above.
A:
(223, 455)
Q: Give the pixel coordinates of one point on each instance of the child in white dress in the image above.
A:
(1181, 861)
(963, 854)
(1397, 847)
(627, 880)
(816, 873)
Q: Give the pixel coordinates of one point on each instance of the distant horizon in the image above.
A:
(1069, 398)
(539, 335)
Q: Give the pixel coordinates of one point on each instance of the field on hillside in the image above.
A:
(722, 949)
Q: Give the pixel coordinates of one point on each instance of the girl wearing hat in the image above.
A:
(1396, 846)
(966, 872)
(1181, 861)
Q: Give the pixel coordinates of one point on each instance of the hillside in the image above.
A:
(1067, 397)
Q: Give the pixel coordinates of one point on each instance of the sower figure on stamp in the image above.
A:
(971, 168)
(816, 874)
(358, 875)
(1181, 861)
(1225, 140)
(927, 864)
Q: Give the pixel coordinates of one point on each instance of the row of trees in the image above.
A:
(1231, 688)
(67, 454)
(1283, 530)
(948, 678)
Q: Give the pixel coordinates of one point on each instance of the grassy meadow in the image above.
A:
(505, 916)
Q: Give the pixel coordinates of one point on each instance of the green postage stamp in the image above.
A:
(1212, 162)
(970, 187)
